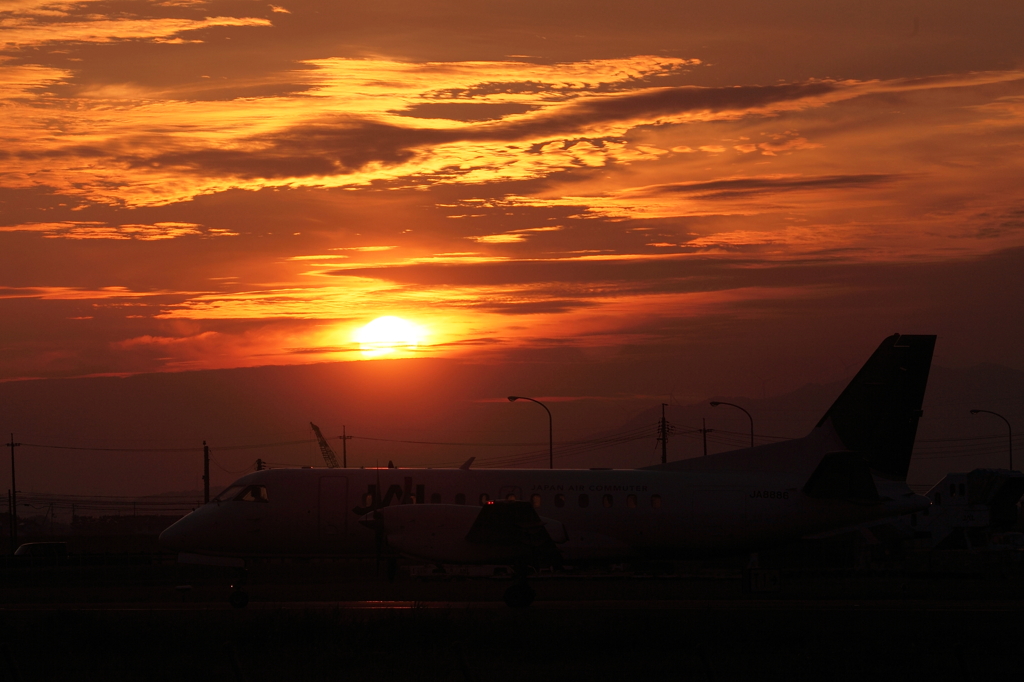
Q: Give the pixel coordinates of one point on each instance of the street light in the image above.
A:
(551, 442)
(1009, 431)
(716, 403)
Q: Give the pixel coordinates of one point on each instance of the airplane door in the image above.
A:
(334, 509)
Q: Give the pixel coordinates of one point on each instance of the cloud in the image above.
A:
(23, 80)
(21, 32)
(138, 146)
(727, 188)
(56, 293)
(723, 196)
(99, 230)
(513, 236)
(346, 144)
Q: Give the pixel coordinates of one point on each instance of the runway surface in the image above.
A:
(474, 641)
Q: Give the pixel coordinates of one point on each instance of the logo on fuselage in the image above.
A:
(404, 495)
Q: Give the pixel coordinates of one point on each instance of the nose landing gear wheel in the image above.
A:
(239, 599)
(519, 595)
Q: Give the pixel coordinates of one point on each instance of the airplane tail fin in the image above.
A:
(867, 434)
(876, 415)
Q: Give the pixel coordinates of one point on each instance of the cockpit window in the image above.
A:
(228, 493)
(254, 493)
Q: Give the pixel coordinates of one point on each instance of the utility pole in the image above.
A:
(704, 430)
(206, 473)
(344, 448)
(664, 435)
(14, 499)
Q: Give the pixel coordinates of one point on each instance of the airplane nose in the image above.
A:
(173, 537)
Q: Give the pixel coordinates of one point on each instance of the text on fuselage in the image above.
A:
(771, 494)
(594, 488)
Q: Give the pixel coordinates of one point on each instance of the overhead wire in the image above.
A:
(934, 448)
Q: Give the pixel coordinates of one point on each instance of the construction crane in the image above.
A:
(325, 449)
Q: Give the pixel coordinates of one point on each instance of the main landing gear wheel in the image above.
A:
(519, 595)
(239, 599)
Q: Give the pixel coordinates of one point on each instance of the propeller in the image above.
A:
(375, 520)
(378, 523)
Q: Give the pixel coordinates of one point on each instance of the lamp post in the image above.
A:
(716, 403)
(551, 441)
(1009, 431)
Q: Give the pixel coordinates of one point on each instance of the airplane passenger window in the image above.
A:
(631, 501)
(584, 500)
(952, 489)
(435, 498)
(254, 493)
(228, 493)
(460, 498)
(536, 500)
(607, 501)
(368, 500)
(559, 500)
(483, 498)
(656, 501)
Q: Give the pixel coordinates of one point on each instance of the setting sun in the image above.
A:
(388, 334)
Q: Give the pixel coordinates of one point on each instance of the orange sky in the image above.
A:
(193, 185)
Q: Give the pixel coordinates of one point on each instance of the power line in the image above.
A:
(933, 448)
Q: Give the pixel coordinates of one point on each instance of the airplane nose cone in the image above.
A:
(173, 537)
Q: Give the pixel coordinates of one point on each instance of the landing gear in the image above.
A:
(520, 595)
(239, 597)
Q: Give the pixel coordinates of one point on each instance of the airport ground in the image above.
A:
(140, 616)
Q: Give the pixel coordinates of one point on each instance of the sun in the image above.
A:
(388, 334)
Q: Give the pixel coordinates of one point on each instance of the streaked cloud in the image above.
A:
(77, 294)
(151, 152)
(26, 31)
(513, 236)
(97, 230)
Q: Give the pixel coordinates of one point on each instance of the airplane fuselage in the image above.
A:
(590, 514)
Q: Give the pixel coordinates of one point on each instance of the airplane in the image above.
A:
(851, 468)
